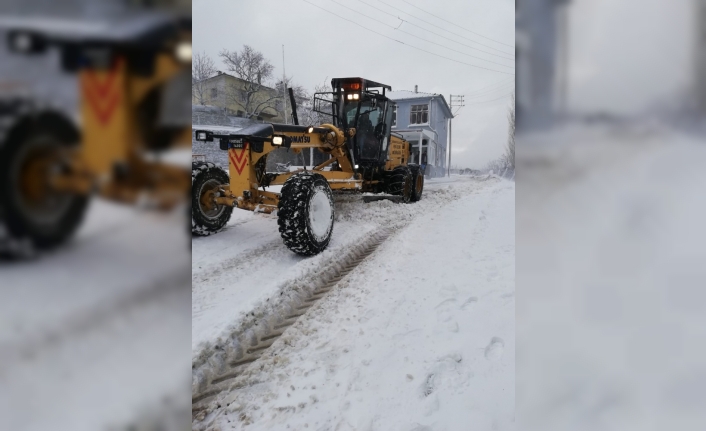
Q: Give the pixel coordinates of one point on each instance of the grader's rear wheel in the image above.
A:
(207, 217)
(418, 188)
(399, 182)
(305, 213)
(36, 216)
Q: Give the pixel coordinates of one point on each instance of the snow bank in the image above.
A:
(420, 335)
(610, 259)
(92, 334)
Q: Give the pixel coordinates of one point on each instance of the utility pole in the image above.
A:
(284, 89)
(455, 101)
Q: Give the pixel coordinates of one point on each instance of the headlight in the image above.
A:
(356, 96)
(277, 140)
(310, 129)
(350, 97)
(356, 166)
(183, 52)
(201, 136)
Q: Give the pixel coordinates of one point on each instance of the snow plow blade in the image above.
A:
(396, 199)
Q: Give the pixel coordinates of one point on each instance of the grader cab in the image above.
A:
(131, 70)
(364, 156)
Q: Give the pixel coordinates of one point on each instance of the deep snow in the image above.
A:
(419, 336)
(611, 263)
(249, 252)
(92, 334)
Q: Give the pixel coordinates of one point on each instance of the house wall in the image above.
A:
(225, 84)
(438, 123)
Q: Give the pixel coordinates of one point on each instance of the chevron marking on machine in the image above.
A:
(103, 97)
(237, 157)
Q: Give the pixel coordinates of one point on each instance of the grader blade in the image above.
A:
(374, 198)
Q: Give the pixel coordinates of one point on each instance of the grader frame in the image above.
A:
(122, 72)
(248, 150)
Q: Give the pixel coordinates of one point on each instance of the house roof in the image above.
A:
(410, 95)
(223, 74)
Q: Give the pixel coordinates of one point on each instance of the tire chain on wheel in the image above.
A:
(293, 213)
(396, 180)
(203, 171)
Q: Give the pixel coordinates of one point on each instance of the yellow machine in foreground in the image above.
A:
(129, 72)
(364, 157)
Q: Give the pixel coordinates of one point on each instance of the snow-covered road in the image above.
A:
(611, 317)
(92, 334)
(419, 336)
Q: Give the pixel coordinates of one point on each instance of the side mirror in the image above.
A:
(424, 159)
(373, 102)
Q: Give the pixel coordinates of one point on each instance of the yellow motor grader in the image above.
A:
(131, 70)
(364, 156)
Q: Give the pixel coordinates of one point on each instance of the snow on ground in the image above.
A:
(610, 258)
(250, 252)
(92, 334)
(419, 337)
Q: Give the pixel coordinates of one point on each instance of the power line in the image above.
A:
(493, 100)
(406, 44)
(463, 28)
(420, 38)
(502, 82)
(437, 34)
(449, 31)
(491, 93)
(504, 87)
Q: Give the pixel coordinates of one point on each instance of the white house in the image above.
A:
(423, 120)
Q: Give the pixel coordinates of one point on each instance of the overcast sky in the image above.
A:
(319, 46)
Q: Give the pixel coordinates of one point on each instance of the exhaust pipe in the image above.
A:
(294, 107)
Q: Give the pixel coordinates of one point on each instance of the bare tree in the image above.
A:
(309, 115)
(256, 71)
(510, 148)
(202, 68)
(505, 164)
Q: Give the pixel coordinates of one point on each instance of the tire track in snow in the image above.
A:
(92, 319)
(248, 354)
(216, 366)
(242, 263)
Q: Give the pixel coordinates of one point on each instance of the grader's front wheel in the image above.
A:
(207, 217)
(35, 215)
(305, 213)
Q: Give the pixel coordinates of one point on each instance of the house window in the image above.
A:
(419, 114)
(394, 115)
(214, 93)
